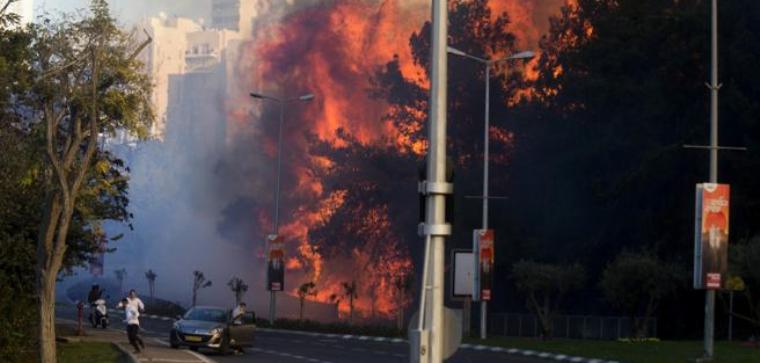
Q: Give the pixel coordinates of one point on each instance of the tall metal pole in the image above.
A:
(435, 218)
(486, 153)
(276, 221)
(714, 87)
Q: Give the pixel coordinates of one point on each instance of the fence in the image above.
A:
(568, 326)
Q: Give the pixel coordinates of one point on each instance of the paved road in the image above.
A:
(281, 347)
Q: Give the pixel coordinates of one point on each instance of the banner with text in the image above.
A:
(483, 248)
(711, 235)
(275, 263)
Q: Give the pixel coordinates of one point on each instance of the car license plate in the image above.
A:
(193, 338)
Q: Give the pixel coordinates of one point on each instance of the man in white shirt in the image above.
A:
(131, 318)
(135, 301)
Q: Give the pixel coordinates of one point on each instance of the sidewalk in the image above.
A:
(155, 350)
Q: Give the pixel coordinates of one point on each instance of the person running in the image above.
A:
(135, 301)
(131, 318)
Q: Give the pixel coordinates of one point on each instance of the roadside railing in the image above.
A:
(568, 326)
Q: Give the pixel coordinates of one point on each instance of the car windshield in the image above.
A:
(202, 314)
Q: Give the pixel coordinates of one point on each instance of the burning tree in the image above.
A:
(151, 277)
(199, 282)
(238, 287)
(404, 285)
(306, 289)
(121, 275)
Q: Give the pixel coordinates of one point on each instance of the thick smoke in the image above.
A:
(203, 197)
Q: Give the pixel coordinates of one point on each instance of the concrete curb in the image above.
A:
(132, 358)
(533, 353)
(335, 336)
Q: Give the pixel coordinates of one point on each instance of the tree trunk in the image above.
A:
(351, 310)
(195, 293)
(46, 294)
(300, 311)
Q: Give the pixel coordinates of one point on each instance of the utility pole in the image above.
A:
(430, 332)
(714, 88)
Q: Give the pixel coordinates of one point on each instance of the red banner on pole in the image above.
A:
(711, 236)
(483, 246)
(275, 263)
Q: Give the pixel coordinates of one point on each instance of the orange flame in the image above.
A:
(331, 50)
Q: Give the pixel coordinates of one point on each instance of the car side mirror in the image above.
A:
(178, 317)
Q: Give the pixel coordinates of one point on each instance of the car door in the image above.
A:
(242, 331)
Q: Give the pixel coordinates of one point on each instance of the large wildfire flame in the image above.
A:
(331, 50)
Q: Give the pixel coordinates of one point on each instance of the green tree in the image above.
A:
(306, 289)
(745, 259)
(544, 285)
(199, 282)
(636, 282)
(238, 287)
(62, 84)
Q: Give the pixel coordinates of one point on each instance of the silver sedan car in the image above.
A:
(212, 328)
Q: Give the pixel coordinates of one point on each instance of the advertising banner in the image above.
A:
(275, 263)
(711, 235)
(98, 259)
(483, 248)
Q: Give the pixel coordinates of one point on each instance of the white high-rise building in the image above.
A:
(24, 9)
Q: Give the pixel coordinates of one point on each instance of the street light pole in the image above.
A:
(714, 87)
(276, 219)
(486, 151)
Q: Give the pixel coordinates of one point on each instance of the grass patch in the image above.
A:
(639, 352)
(89, 352)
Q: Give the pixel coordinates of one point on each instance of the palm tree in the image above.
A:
(199, 282)
(151, 276)
(349, 292)
(238, 287)
(306, 289)
(121, 274)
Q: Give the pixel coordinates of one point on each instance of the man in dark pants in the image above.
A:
(131, 317)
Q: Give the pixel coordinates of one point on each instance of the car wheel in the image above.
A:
(224, 346)
(194, 349)
(173, 341)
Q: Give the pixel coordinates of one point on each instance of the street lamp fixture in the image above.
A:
(276, 221)
(488, 63)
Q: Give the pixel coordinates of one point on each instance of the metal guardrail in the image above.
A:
(568, 326)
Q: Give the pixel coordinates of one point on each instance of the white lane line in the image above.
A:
(203, 358)
(282, 354)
